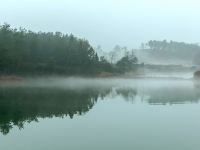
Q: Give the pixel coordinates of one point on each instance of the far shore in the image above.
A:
(108, 75)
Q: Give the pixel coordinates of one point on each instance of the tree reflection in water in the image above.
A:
(19, 105)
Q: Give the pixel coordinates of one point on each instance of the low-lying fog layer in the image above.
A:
(178, 75)
(30, 99)
(78, 83)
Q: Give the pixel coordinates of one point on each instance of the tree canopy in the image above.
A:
(24, 51)
(27, 52)
(127, 62)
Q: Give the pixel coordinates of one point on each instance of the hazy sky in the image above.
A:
(108, 22)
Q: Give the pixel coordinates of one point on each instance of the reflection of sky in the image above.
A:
(108, 22)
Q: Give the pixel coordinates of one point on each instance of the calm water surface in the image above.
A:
(100, 114)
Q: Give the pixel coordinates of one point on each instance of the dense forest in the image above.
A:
(27, 52)
(24, 52)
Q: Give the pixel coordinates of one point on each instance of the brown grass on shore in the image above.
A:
(10, 78)
(105, 74)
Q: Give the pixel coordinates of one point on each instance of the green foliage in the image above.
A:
(127, 62)
(27, 52)
(105, 65)
(23, 51)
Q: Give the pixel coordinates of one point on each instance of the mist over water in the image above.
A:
(153, 79)
(144, 86)
(111, 108)
(99, 75)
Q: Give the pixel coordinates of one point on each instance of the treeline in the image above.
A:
(23, 52)
(172, 51)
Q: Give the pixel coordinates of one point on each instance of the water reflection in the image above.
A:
(19, 105)
(127, 93)
(172, 95)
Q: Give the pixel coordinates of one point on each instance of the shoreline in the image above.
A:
(17, 78)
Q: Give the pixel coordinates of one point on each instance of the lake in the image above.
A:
(100, 114)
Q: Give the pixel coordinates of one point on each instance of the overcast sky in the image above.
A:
(108, 22)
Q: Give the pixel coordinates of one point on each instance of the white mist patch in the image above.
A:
(185, 75)
(80, 83)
